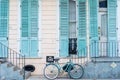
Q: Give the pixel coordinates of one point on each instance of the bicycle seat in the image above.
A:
(56, 59)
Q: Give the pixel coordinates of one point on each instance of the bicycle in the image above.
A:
(53, 69)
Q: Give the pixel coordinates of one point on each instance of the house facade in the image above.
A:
(60, 28)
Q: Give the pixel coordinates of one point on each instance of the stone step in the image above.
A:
(27, 73)
(11, 72)
(2, 59)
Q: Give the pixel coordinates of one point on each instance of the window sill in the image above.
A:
(34, 58)
(73, 57)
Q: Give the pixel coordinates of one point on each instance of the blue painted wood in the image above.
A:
(29, 30)
(34, 48)
(24, 28)
(112, 31)
(34, 28)
(82, 28)
(4, 12)
(93, 12)
(64, 27)
(25, 47)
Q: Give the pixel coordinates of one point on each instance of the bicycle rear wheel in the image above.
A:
(77, 72)
(51, 71)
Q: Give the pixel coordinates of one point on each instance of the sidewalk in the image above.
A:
(43, 78)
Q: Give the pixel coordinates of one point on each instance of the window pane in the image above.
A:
(72, 10)
(104, 25)
(103, 4)
(72, 27)
(72, 30)
(72, 45)
(72, 19)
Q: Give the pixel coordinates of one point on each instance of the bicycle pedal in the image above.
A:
(61, 72)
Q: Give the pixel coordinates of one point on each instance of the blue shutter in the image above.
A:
(93, 9)
(34, 28)
(112, 34)
(24, 28)
(64, 24)
(25, 47)
(82, 28)
(4, 9)
(33, 48)
(24, 12)
(29, 32)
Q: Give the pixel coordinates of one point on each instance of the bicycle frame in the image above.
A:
(68, 66)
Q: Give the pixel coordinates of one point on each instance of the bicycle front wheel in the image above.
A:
(76, 72)
(51, 71)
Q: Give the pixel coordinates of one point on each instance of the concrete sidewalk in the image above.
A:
(43, 78)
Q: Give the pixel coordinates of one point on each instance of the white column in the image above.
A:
(19, 25)
(87, 27)
(118, 18)
(118, 23)
(58, 22)
(13, 24)
(39, 27)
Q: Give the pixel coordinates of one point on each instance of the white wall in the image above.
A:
(13, 24)
(49, 30)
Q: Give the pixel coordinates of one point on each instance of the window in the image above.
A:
(102, 3)
(104, 25)
(103, 20)
(72, 27)
(72, 45)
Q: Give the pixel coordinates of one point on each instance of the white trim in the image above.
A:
(58, 28)
(118, 18)
(76, 2)
(77, 23)
(87, 28)
(118, 25)
(39, 28)
(19, 24)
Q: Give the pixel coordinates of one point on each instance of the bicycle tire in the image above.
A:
(51, 71)
(77, 72)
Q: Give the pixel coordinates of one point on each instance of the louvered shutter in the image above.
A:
(25, 28)
(112, 34)
(34, 28)
(64, 24)
(29, 44)
(4, 10)
(82, 27)
(93, 9)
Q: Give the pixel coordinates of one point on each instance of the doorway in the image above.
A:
(102, 27)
